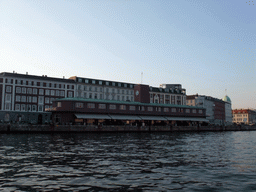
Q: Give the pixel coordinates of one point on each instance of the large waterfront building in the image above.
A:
(27, 98)
(217, 111)
(245, 116)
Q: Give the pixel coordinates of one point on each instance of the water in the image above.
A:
(210, 161)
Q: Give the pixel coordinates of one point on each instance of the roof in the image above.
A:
(44, 77)
(125, 102)
(227, 99)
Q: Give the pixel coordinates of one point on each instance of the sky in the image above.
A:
(207, 46)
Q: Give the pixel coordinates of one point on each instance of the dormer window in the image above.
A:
(107, 83)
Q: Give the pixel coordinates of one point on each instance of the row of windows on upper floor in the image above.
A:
(108, 90)
(39, 84)
(132, 107)
(25, 107)
(166, 96)
(34, 91)
(107, 97)
(80, 80)
(32, 99)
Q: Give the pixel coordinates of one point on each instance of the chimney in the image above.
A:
(26, 73)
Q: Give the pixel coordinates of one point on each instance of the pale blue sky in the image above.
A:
(207, 46)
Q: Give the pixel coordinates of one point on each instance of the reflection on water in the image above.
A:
(224, 161)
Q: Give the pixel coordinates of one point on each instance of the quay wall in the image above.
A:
(16, 128)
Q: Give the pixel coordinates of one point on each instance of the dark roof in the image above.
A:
(189, 97)
(7, 74)
(124, 102)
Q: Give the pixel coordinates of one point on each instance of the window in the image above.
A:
(79, 80)
(17, 98)
(132, 108)
(47, 92)
(127, 92)
(113, 83)
(174, 110)
(166, 109)
(28, 107)
(23, 107)
(90, 95)
(127, 98)
(51, 99)
(122, 98)
(102, 106)
(41, 92)
(18, 90)
(91, 105)
(142, 108)
(112, 106)
(29, 99)
(8, 89)
(70, 94)
(122, 91)
(101, 96)
(40, 108)
(34, 91)
(150, 108)
(200, 111)
(34, 99)
(23, 90)
(107, 83)
(93, 81)
(86, 81)
(119, 84)
(95, 96)
(113, 90)
(90, 88)
(47, 100)
(29, 90)
(131, 86)
(158, 109)
(187, 110)
(7, 106)
(125, 85)
(131, 98)
(118, 97)
(193, 111)
(57, 93)
(62, 93)
(33, 107)
(122, 107)
(100, 82)
(52, 92)
(17, 107)
(23, 99)
(79, 105)
(41, 100)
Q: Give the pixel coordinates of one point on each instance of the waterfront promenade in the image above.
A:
(16, 128)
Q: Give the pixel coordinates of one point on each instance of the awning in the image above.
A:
(186, 119)
(155, 118)
(92, 116)
(125, 117)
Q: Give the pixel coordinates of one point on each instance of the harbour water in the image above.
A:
(196, 161)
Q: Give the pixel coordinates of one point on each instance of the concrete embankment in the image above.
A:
(15, 128)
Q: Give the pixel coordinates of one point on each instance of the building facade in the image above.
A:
(112, 112)
(218, 111)
(25, 97)
(244, 116)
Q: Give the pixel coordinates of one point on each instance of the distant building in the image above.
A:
(246, 116)
(217, 111)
